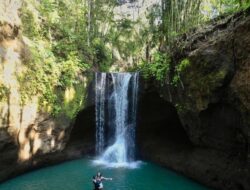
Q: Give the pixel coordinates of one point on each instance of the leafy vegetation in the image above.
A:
(67, 38)
(179, 16)
(56, 57)
(178, 70)
(4, 91)
(157, 68)
(173, 18)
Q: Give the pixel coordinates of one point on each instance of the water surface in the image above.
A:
(77, 174)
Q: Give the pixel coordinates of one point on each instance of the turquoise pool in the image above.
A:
(77, 175)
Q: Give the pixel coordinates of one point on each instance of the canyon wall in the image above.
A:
(197, 124)
(30, 133)
(209, 86)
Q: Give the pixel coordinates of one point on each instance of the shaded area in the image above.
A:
(82, 135)
(8, 153)
(222, 129)
(217, 162)
(82, 138)
(159, 124)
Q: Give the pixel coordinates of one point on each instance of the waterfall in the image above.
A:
(100, 86)
(116, 107)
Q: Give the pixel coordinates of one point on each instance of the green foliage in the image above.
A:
(46, 77)
(68, 37)
(213, 8)
(179, 16)
(125, 39)
(4, 91)
(178, 70)
(69, 70)
(183, 65)
(102, 55)
(65, 38)
(41, 74)
(176, 79)
(56, 37)
(73, 106)
(176, 17)
(30, 19)
(180, 108)
(158, 68)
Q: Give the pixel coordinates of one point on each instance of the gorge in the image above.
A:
(115, 110)
(60, 74)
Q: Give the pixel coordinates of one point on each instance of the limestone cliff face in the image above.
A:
(134, 9)
(25, 132)
(212, 99)
(209, 143)
(209, 86)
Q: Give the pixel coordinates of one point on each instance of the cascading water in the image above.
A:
(116, 105)
(100, 84)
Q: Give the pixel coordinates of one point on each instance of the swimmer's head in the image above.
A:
(99, 174)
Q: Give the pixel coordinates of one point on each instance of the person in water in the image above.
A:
(97, 180)
(96, 184)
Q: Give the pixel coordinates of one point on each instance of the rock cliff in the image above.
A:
(199, 126)
(209, 86)
(29, 136)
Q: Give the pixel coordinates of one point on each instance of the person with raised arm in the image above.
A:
(97, 180)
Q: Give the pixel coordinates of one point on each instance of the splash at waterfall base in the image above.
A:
(116, 108)
(129, 165)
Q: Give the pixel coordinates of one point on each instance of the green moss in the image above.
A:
(200, 78)
(201, 85)
(181, 67)
(208, 83)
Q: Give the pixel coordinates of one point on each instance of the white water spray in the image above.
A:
(119, 105)
(100, 85)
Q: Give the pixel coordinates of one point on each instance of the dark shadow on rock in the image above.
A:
(159, 125)
(8, 154)
(222, 129)
(82, 137)
(218, 162)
